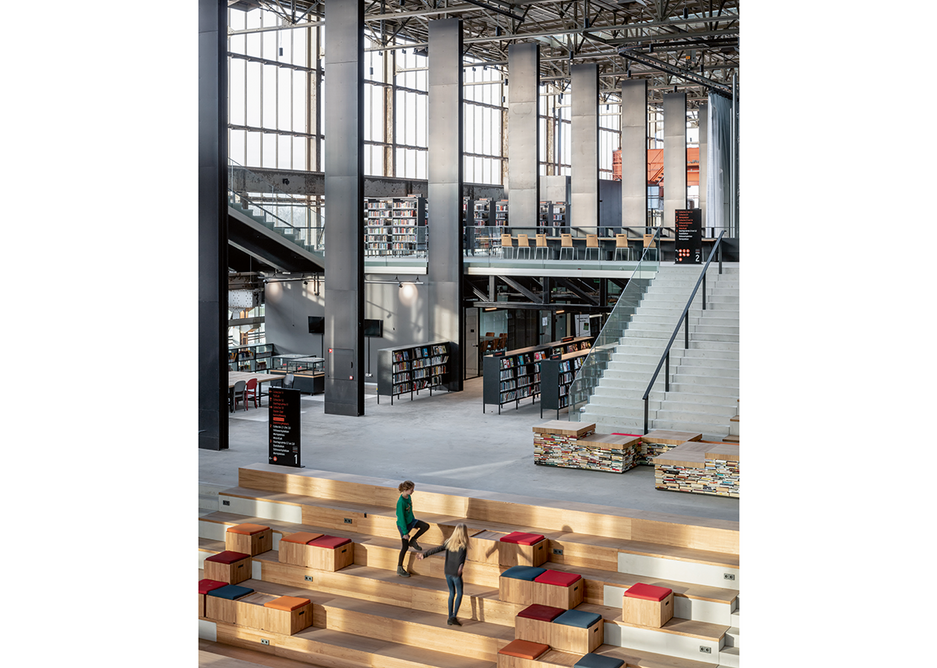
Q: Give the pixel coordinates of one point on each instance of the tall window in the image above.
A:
(484, 99)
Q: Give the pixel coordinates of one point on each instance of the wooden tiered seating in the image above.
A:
(362, 613)
(248, 538)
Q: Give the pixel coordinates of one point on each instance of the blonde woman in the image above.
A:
(455, 547)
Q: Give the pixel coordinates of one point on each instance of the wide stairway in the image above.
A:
(352, 609)
(704, 379)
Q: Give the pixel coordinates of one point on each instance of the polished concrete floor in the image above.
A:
(446, 439)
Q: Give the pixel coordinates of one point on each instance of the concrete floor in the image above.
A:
(446, 439)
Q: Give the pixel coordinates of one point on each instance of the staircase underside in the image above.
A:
(250, 243)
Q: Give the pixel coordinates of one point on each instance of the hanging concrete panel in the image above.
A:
(344, 212)
(445, 171)
(634, 153)
(703, 159)
(524, 135)
(584, 142)
(674, 155)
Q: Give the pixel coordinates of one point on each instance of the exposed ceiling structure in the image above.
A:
(687, 45)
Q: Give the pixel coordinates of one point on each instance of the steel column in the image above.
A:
(584, 144)
(524, 135)
(445, 171)
(344, 193)
(634, 153)
(674, 155)
(212, 225)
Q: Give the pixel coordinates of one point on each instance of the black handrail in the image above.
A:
(685, 318)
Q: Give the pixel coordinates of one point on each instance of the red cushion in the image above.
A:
(524, 649)
(522, 538)
(330, 542)
(205, 586)
(557, 578)
(228, 557)
(615, 433)
(544, 613)
(648, 592)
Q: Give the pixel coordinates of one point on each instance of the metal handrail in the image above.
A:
(684, 319)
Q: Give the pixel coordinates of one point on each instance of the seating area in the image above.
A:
(545, 583)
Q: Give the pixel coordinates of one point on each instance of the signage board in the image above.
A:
(688, 245)
(284, 426)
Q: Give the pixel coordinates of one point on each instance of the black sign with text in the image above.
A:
(689, 240)
(284, 426)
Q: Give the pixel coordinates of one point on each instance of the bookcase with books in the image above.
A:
(501, 213)
(514, 375)
(557, 375)
(409, 369)
(560, 218)
(395, 227)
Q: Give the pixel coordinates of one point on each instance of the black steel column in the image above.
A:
(444, 191)
(344, 207)
(212, 225)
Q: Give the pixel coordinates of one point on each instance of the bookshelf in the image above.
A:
(409, 369)
(545, 216)
(516, 374)
(250, 358)
(560, 218)
(501, 213)
(395, 227)
(557, 374)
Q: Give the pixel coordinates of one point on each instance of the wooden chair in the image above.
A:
(523, 243)
(505, 244)
(502, 341)
(490, 335)
(592, 242)
(541, 244)
(621, 244)
(566, 241)
(649, 243)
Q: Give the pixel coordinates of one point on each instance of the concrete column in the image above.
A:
(344, 208)
(444, 191)
(584, 142)
(703, 161)
(674, 155)
(212, 225)
(524, 135)
(634, 153)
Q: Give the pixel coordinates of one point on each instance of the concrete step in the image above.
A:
(710, 431)
(618, 401)
(707, 397)
(705, 362)
(715, 336)
(729, 657)
(635, 415)
(697, 417)
(697, 353)
(725, 411)
(711, 376)
(644, 356)
(732, 637)
(708, 390)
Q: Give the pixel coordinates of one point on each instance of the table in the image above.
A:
(235, 376)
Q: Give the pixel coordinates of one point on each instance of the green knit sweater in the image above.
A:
(404, 514)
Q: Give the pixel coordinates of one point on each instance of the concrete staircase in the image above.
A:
(704, 379)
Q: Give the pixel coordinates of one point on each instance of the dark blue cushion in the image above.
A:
(598, 661)
(578, 618)
(230, 592)
(523, 572)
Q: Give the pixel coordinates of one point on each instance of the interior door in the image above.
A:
(471, 343)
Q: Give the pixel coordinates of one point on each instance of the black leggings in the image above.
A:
(421, 528)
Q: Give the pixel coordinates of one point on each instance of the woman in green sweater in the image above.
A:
(405, 523)
(455, 547)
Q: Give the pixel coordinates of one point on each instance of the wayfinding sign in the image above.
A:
(284, 426)
(689, 240)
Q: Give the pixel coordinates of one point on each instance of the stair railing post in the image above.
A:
(667, 374)
(686, 331)
(704, 291)
(645, 412)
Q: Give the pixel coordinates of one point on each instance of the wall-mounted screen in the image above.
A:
(374, 328)
(316, 324)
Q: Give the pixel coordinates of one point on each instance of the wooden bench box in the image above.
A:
(561, 636)
(228, 566)
(647, 605)
(324, 553)
(529, 592)
(251, 539)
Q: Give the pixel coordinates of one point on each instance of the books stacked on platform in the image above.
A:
(556, 444)
(699, 468)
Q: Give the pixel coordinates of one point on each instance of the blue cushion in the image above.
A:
(578, 618)
(598, 661)
(523, 572)
(230, 592)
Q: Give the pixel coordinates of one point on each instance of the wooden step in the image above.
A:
(448, 505)
(217, 655)
(369, 621)
(677, 626)
(554, 658)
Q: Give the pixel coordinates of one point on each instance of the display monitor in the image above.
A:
(316, 324)
(374, 328)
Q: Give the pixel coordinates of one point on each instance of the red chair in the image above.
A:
(251, 393)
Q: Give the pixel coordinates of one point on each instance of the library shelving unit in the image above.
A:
(483, 212)
(501, 213)
(545, 216)
(409, 369)
(250, 358)
(516, 374)
(556, 375)
(560, 218)
(395, 226)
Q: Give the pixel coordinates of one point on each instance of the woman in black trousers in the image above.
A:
(455, 547)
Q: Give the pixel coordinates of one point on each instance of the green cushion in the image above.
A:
(523, 572)
(598, 661)
(578, 618)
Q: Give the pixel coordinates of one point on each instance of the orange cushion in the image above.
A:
(247, 529)
(524, 649)
(301, 537)
(288, 603)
